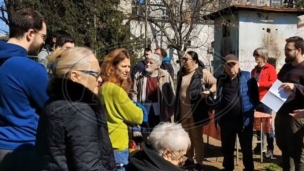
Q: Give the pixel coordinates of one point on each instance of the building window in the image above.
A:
(226, 28)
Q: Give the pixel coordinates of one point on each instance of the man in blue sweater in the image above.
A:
(238, 97)
(23, 84)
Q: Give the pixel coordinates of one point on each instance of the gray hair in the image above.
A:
(262, 52)
(170, 136)
(155, 58)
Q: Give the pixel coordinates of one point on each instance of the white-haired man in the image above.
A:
(168, 143)
(154, 88)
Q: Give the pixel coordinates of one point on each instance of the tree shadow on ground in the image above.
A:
(212, 151)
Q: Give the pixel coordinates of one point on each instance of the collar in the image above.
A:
(157, 160)
(65, 89)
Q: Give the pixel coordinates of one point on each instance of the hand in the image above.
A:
(297, 113)
(258, 84)
(287, 87)
(205, 94)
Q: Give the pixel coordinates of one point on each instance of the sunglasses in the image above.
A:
(185, 59)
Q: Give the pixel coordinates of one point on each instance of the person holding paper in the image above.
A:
(265, 75)
(290, 130)
(238, 97)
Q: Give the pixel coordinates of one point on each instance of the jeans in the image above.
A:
(269, 136)
(121, 158)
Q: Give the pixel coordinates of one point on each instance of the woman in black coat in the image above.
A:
(72, 133)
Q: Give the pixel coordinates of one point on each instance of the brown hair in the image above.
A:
(23, 20)
(108, 67)
(298, 42)
(162, 51)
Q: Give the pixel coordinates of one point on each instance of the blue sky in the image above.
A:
(3, 26)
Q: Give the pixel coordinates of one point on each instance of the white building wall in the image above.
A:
(201, 39)
(231, 42)
(269, 30)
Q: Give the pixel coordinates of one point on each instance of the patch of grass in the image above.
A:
(272, 167)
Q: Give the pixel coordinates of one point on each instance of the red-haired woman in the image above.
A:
(115, 73)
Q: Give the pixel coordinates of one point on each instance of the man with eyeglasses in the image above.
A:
(58, 39)
(141, 65)
(238, 97)
(290, 130)
(23, 84)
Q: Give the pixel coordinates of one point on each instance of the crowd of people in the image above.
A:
(70, 112)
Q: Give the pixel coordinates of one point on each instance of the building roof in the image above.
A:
(234, 8)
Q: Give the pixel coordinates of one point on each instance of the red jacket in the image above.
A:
(267, 77)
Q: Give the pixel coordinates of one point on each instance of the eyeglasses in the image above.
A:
(92, 73)
(43, 36)
(176, 157)
(289, 50)
(185, 59)
(179, 159)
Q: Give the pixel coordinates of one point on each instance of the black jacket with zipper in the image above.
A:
(72, 133)
(199, 105)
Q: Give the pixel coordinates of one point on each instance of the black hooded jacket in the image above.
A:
(72, 134)
(149, 160)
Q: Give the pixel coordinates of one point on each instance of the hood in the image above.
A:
(166, 59)
(8, 50)
(149, 159)
(65, 89)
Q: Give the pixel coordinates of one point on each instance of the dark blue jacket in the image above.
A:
(249, 96)
(166, 65)
(139, 67)
(22, 95)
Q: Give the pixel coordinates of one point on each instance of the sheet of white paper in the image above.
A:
(272, 101)
(280, 93)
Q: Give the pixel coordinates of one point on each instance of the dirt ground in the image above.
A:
(213, 161)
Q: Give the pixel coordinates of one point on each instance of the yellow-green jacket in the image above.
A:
(119, 108)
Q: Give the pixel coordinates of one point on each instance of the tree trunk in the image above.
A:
(180, 55)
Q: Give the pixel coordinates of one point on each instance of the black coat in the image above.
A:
(72, 134)
(199, 107)
(149, 160)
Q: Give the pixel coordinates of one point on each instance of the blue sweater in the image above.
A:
(23, 84)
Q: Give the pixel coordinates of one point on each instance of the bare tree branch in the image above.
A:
(182, 22)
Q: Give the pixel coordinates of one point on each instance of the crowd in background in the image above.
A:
(70, 112)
